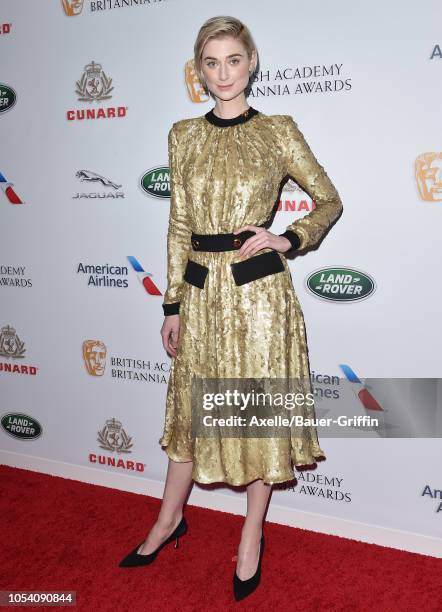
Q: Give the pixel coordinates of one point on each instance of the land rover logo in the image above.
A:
(156, 182)
(8, 98)
(340, 284)
(20, 425)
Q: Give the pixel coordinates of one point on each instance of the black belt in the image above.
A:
(220, 242)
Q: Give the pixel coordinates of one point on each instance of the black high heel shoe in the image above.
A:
(242, 588)
(133, 559)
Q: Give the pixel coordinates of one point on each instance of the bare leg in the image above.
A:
(176, 488)
(248, 552)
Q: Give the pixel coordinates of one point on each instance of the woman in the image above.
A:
(233, 321)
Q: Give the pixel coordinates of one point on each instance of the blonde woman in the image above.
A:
(230, 307)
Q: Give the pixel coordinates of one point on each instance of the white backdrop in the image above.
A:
(363, 82)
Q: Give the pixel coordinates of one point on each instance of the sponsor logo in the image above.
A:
(12, 347)
(108, 275)
(105, 275)
(124, 368)
(9, 191)
(156, 182)
(95, 86)
(113, 189)
(113, 438)
(292, 205)
(21, 426)
(435, 494)
(145, 278)
(8, 97)
(10, 344)
(359, 389)
(428, 173)
(340, 284)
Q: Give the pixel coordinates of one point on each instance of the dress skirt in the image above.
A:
(251, 330)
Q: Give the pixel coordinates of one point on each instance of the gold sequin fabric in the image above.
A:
(223, 177)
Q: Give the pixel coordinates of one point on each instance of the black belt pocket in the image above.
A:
(195, 273)
(256, 267)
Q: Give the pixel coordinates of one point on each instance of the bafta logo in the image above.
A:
(10, 343)
(72, 7)
(94, 355)
(113, 437)
(194, 86)
(94, 84)
(428, 172)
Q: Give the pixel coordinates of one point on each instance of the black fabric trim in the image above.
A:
(256, 267)
(171, 309)
(195, 273)
(241, 118)
(221, 242)
(293, 237)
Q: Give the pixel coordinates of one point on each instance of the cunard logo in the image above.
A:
(10, 344)
(113, 437)
(294, 205)
(95, 86)
(13, 348)
(97, 179)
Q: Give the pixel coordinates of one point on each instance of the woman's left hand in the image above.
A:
(261, 240)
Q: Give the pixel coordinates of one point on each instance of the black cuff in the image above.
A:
(171, 309)
(293, 237)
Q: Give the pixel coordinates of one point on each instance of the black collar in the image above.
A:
(242, 118)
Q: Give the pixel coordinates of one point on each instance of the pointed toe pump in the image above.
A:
(243, 588)
(133, 559)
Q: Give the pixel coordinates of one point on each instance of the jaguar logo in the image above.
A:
(87, 175)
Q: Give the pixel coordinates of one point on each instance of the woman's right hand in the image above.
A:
(170, 332)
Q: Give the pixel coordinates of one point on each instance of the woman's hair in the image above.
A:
(217, 27)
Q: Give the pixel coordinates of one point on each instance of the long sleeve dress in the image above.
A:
(226, 173)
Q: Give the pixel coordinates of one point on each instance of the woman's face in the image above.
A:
(225, 66)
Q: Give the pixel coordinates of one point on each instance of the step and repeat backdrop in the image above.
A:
(88, 92)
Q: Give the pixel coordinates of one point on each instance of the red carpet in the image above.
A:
(59, 534)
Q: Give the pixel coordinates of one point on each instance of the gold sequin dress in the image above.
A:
(225, 173)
